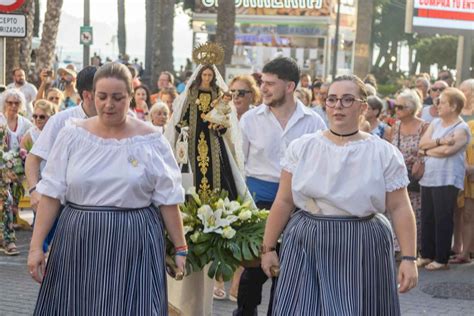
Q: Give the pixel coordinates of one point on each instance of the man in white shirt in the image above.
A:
(29, 90)
(267, 130)
(43, 145)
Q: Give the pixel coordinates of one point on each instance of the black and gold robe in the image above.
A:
(207, 154)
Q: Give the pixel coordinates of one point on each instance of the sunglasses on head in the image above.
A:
(437, 89)
(41, 116)
(240, 92)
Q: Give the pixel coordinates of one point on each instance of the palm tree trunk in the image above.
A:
(166, 37)
(121, 31)
(25, 43)
(36, 24)
(46, 51)
(149, 49)
(12, 54)
(157, 36)
(225, 31)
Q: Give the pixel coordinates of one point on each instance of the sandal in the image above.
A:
(232, 298)
(421, 262)
(10, 249)
(219, 294)
(435, 266)
(459, 260)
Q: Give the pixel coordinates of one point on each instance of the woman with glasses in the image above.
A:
(245, 93)
(406, 136)
(42, 111)
(444, 145)
(337, 252)
(429, 113)
(55, 96)
(13, 103)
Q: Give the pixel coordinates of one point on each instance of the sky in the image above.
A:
(104, 21)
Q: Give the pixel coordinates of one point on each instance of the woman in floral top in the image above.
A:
(406, 136)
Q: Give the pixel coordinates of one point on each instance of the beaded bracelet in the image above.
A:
(182, 253)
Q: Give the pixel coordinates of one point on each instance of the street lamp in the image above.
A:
(336, 41)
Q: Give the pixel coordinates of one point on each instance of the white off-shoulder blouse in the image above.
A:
(349, 180)
(134, 172)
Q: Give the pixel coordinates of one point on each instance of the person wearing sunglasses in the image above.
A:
(338, 222)
(407, 132)
(429, 113)
(42, 111)
(13, 103)
(245, 93)
(56, 96)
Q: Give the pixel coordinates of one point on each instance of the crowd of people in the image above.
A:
(347, 175)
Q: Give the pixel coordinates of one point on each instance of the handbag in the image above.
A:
(417, 170)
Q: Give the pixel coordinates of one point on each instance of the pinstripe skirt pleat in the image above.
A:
(105, 261)
(337, 266)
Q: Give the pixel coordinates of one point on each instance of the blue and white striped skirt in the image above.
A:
(105, 261)
(337, 266)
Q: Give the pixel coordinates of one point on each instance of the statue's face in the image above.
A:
(207, 76)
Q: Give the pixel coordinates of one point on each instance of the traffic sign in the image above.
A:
(10, 5)
(12, 25)
(86, 37)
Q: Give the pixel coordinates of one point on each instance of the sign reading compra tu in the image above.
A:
(12, 25)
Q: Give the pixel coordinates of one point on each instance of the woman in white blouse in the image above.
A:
(337, 254)
(120, 184)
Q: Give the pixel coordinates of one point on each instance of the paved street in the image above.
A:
(439, 293)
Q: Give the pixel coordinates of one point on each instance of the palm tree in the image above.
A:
(25, 43)
(45, 56)
(363, 49)
(159, 38)
(121, 32)
(225, 32)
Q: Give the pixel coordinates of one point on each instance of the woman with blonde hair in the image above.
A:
(444, 145)
(245, 93)
(55, 96)
(159, 115)
(42, 111)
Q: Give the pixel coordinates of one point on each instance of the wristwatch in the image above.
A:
(265, 249)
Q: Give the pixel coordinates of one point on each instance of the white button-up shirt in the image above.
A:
(265, 141)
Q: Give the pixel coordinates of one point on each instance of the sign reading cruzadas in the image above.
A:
(10, 5)
(270, 7)
(270, 4)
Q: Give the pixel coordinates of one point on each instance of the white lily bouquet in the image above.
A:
(221, 232)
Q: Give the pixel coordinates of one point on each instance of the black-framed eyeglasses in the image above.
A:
(346, 101)
(239, 92)
(41, 116)
(437, 89)
(17, 103)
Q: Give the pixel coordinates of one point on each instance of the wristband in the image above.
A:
(182, 253)
(408, 258)
(181, 248)
(265, 249)
(31, 190)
